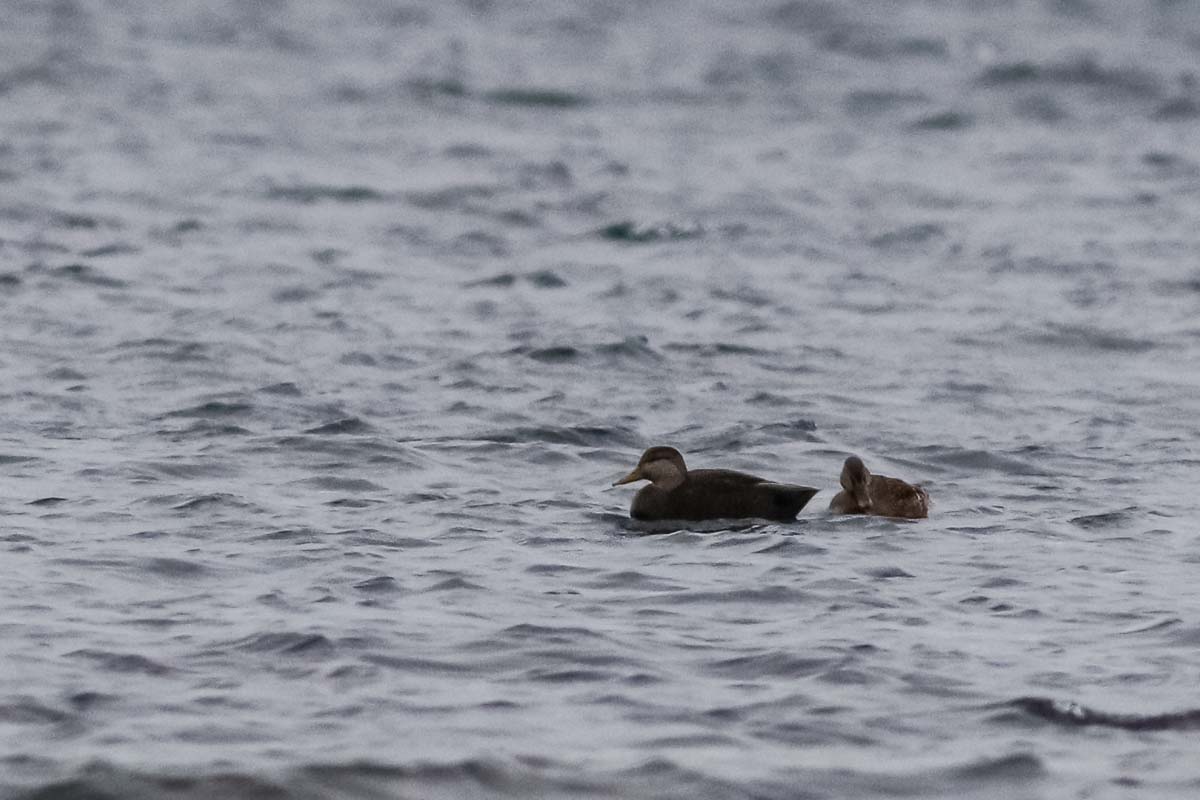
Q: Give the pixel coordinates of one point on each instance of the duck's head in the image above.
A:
(662, 466)
(855, 479)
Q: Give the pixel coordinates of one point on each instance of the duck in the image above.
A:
(675, 492)
(864, 493)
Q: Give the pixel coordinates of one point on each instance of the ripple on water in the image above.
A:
(87, 275)
(633, 580)
(203, 429)
(349, 425)
(1021, 766)
(776, 663)
(540, 279)
(29, 712)
(315, 193)
(1070, 714)
(792, 546)
(205, 502)
(577, 435)
(960, 459)
(1091, 337)
(631, 232)
(1119, 518)
(536, 776)
(630, 352)
(285, 389)
(175, 568)
(333, 483)
(350, 449)
(169, 350)
(1082, 71)
(291, 643)
(419, 666)
(47, 502)
(380, 584)
(122, 662)
(455, 584)
(214, 409)
(181, 469)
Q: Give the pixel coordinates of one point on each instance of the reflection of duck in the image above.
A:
(864, 493)
(678, 493)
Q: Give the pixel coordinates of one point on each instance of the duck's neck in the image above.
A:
(673, 481)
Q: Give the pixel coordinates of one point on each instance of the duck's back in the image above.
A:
(721, 494)
(892, 497)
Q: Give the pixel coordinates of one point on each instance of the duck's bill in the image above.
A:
(636, 475)
(862, 498)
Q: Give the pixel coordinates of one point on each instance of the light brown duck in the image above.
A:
(675, 492)
(864, 493)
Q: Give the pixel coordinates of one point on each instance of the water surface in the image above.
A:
(327, 327)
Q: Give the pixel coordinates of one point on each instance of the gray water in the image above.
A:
(326, 327)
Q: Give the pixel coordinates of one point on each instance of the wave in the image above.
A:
(577, 435)
(313, 193)
(536, 776)
(1085, 71)
(631, 232)
(1090, 337)
(1074, 715)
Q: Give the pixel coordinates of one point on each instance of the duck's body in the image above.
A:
(864, 493)
(693, 495)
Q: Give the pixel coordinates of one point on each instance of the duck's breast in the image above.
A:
(844, 503)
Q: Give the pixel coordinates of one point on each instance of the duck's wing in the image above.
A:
(726, 493)
(723, 479)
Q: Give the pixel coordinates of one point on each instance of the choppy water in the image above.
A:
(327, 325)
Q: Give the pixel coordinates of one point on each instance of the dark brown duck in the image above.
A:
(864, 493)
(675, 492)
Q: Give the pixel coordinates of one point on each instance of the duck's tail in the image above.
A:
(788, 499)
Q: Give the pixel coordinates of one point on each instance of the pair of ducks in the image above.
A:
(677, 493)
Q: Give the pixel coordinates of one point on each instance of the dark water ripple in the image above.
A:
(1074, 715)
(314, 390)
